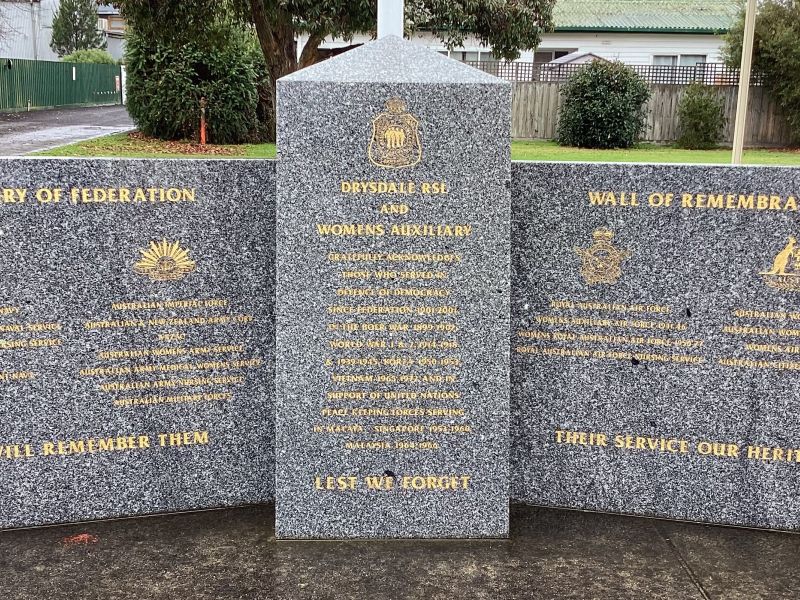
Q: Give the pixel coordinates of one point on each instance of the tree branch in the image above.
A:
(309, 55)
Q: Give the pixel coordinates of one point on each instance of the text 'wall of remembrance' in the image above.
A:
(135, 337)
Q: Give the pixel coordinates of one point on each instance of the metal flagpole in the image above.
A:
(391, 18)
(744, 81)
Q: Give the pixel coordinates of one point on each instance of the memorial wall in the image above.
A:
(136, 337)
(654, 338)
(656, 334)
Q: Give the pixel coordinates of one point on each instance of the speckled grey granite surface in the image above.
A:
(64, 267)
(701, 264)
(66, 263)
(452, 124)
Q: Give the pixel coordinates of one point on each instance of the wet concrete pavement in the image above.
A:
(551, 554)
(23, 132)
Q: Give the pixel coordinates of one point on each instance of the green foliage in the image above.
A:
(75, 27)
(604, 107)
(507, 25)
(701, 118)
(167, 80)
(94, 56)
(776, 53)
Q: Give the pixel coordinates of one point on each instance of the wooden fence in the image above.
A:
(536, 106)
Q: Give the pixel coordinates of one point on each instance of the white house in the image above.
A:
(27, 28)
(636, 32)
(114, 26)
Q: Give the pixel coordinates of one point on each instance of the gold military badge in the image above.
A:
(165, 261)
(602, 261)
(785, 272)
(395, 142)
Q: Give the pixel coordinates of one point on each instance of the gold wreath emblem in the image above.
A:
(165, 261)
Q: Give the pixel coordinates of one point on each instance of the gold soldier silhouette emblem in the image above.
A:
(165, 261)
(785, 272)
(602, 261)
(395, 142)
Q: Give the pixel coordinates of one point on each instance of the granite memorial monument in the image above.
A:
(392, 310)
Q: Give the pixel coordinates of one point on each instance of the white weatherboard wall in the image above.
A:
(28, 29)
(635, 48)
(630, 48)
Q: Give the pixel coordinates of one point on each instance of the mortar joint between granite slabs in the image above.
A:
(684, 564)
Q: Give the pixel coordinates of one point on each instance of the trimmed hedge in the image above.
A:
(603, 107)
(701, 118)
(96, 56)
(166, 81)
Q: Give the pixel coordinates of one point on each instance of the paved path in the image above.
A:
(552, 554)
(24, 132)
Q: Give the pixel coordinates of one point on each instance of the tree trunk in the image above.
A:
(276, 37)
(310, 53)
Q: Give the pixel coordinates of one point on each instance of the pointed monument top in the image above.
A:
(393, 60)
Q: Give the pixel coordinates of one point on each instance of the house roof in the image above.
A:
(575, 57)
(650, 16)
(103, 10)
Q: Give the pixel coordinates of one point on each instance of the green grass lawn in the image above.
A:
(137, 146)
(134, 145)
(648, 153)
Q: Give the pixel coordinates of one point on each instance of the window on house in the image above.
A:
(690, 60)
(683, 60)
(545, 56)
(462, 55)
(665, 60)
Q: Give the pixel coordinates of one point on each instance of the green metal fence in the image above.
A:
(38, 84)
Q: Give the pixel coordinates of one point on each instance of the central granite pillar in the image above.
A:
(392, 306)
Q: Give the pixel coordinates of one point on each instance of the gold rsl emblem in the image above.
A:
(395, 142)
(602, 260)
(785, 272)
(165, 261)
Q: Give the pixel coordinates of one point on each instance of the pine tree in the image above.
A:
(75, 27)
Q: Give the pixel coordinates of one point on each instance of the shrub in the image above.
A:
(166, 81)
(701, 118)
(96, 56)
(603, 107)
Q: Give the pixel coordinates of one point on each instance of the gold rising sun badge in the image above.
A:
(165, 261)
(785, 272)
(602, 260)
(395, 142)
